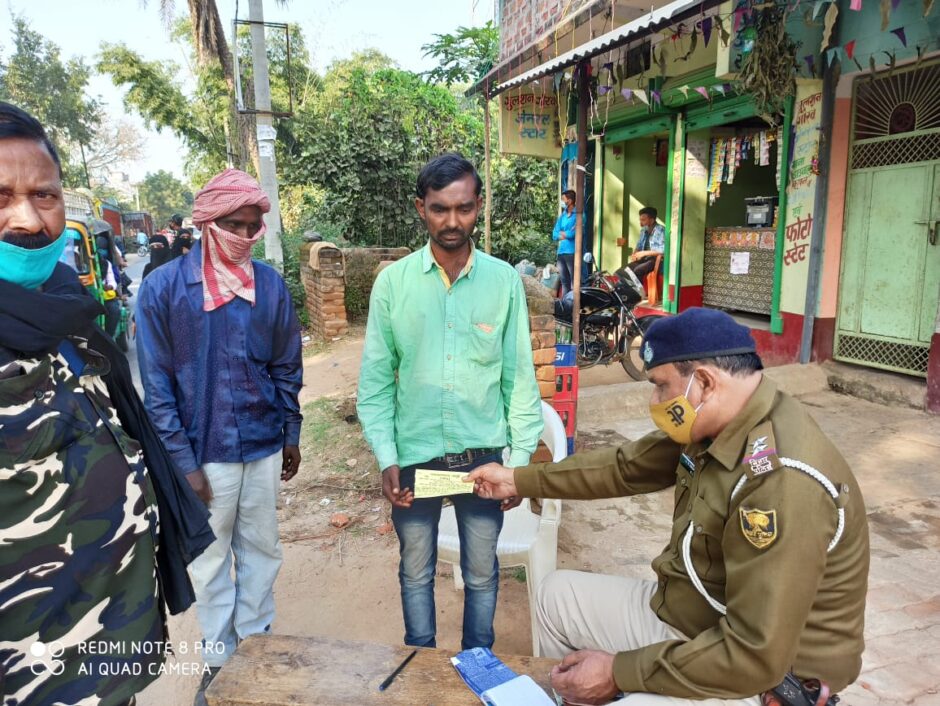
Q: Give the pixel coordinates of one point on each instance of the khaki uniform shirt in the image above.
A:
(791, 605)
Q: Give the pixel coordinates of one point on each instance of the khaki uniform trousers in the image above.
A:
(582, 611)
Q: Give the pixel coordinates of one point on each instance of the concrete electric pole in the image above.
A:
(266, 133)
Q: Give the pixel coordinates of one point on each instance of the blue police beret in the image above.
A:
(694, 334)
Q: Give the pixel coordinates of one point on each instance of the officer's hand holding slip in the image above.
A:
(493, 481)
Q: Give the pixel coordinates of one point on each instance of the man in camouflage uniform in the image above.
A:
(80, 611)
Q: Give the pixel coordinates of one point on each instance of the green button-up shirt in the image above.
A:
(448, 368)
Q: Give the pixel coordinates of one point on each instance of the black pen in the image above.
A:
(391, 677)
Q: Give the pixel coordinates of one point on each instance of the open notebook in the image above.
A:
(495, 683)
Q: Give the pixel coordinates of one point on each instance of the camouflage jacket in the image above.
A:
(80, 616)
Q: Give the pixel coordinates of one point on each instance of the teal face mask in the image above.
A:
(30, 268)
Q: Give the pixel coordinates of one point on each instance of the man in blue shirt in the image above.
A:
(220, 358)
(563, 234)
(650, 246)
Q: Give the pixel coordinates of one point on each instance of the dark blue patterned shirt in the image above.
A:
(221, 386)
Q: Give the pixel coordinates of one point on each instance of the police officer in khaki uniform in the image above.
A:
(766, 568)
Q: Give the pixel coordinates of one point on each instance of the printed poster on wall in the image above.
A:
(529, 124)
(801, 194)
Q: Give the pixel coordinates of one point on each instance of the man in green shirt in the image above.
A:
(766, 567)
(446, 383)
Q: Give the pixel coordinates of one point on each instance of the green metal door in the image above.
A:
(890, 279)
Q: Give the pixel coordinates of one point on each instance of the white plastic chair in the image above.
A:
(527, 539)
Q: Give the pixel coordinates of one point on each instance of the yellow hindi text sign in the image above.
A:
(431, 484)
(529, 124)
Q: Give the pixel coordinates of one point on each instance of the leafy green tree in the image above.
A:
(364, 140)
(464, 56)
(162, 194)
(154, 93)
(36, 79)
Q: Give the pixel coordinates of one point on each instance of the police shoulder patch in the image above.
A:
(759, 526)
(760, 455)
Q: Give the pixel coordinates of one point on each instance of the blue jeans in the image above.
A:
(478, 524)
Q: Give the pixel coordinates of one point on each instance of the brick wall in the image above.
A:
(541, 307)
(521, 22)
(325, 286)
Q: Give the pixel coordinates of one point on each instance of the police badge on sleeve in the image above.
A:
(759, 526)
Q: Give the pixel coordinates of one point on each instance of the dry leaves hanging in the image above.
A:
(768, 71)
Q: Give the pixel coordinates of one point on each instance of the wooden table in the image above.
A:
(305, 671)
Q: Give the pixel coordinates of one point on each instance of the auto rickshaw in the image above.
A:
(81, 254)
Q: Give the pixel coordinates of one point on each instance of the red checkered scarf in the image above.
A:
(227, 271)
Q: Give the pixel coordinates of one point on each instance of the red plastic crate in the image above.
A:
(568, 413)
(566, 384)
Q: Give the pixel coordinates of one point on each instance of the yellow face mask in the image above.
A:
(676, 416)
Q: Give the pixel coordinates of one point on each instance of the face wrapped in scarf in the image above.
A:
(227, 271)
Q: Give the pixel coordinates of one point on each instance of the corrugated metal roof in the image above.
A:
(646, 24)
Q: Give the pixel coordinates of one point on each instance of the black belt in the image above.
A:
(465, 458)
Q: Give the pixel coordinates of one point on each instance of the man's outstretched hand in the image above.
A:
(585, 677)
(494, 482)
(391, 488)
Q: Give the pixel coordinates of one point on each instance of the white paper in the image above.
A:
(266, 132)
(265, 149)
(696, 160)
(433, 484)
(740, 263)
(521, 691)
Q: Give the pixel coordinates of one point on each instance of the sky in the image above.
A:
(333, 29)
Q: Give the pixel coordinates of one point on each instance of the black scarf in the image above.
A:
(35, 323)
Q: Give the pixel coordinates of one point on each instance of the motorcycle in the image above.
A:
(610, 331)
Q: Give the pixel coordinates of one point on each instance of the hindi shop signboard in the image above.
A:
(529, 124)
(801, 195)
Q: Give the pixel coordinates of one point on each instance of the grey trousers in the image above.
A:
(582, 611)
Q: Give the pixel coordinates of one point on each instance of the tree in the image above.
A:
(363, 141)
(162, 194)
(464, 56)
(55, 92)
(153, 91)
(115, 144)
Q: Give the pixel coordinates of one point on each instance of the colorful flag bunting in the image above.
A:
(707, 30)
(702, 91)
(641, 95)
(855, 5)
(627, 93)
(684, 90)
(850, 49)
(810, 63)
(900, 34)
(603, 90)
(657, 97)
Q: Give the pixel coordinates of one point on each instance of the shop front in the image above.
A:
(741, 215)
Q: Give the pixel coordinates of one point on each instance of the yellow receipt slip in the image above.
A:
(431, 484)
